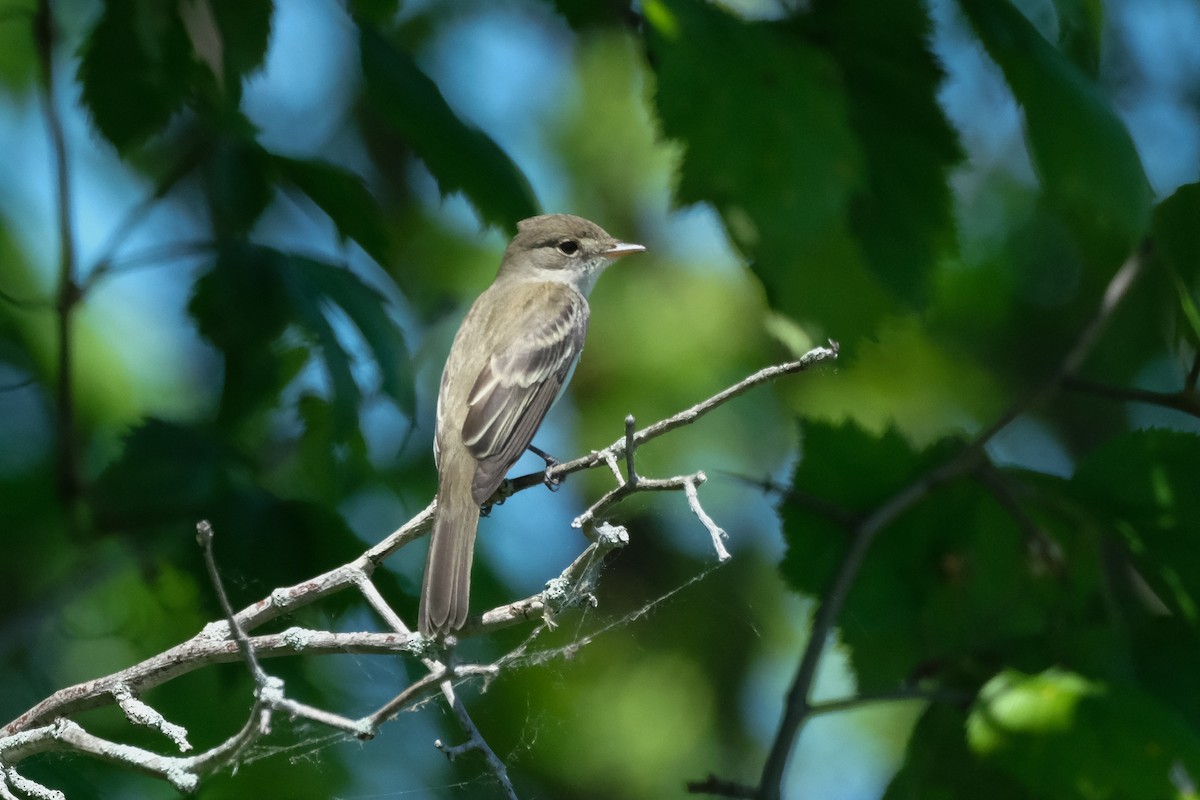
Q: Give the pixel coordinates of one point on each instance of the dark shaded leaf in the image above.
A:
(1084, 155)
(239, 182)
(795, 163)
(582, 14)
(938, 765)
(461, 157)
(367, 310)
(253, 294)
(374, 12)
(1080, 26)
(134, 68)
(951, 584)
(1143, 485)
(902, 218)
(1176, 238)
(342, 195)
(165, 472)
(245, 27)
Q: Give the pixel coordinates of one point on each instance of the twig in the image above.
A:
(1187, 400)
(631, 476)
(721, 788)
(475, 741)
(717, 533)
(685, 417)
(204, 535)
(46, 727)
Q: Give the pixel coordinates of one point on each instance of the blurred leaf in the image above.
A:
(581, 14)
(367, 309)
(902, 218)
(238, 180)
(1167, 662)
(795, 163)
(1143, 484)
(166, 471)
(252, 294)
(374, 12)
(1080, 25)
(461, 157)
(1064, 736)
(938, 765)
(245, 27)
(1084, 154)
(328, 465)
(951, 581)
(134, 68)
(18, 56)
(1176, 238)
(344, 197)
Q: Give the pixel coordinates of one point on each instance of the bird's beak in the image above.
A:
(622, 249)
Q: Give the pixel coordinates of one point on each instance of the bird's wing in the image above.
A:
(518, 385)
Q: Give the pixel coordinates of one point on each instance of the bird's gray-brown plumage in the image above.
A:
(509, 361)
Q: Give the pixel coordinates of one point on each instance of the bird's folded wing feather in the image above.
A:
(516, 388)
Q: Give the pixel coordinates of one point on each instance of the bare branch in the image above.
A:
(685, 417)
(718, 533)
(1187, 400)
(475, 741)
(46, 726)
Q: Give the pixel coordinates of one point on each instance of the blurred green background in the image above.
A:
(275, 216)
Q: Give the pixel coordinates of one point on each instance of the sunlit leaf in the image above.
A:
(1064, 736)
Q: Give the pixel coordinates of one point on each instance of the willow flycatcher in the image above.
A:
(512, 356)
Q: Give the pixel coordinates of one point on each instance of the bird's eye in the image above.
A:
(568, 247)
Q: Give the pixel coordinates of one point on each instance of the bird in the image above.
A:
(513, 355)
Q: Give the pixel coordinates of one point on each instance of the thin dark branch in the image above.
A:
(68, 465)
(1187, 401)
(721, 788)
(204, 535)
(1193, 375)
(934, 695)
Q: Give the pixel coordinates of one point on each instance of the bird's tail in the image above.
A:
(446, 590)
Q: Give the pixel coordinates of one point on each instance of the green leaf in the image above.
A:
(1143, 485)
(245, 29)
(239, 182)
(166, 472)
(951, 582)
(795, 163)
(1083, 153)
(582, 14)
(253, 294)
(366, 308)
(344, 197)
(374, 12)
(1080, 27)
(1064, 736)
(902, 217)
(939, 766)
(1176, 238)
(461, 157)
(134, 68)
